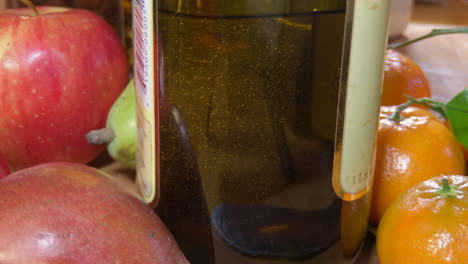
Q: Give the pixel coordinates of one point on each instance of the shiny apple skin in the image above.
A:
(71, 213)
(60, 73)
(4, 170)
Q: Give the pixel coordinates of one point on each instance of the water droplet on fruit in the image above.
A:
(33, 91)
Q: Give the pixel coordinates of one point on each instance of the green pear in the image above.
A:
(121, 128)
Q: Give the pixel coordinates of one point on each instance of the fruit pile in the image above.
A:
(419, 197)
(61, 71)
(58, 83)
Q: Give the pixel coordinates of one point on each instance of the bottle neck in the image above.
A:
(250, 7)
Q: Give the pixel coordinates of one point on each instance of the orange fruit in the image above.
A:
(427, 224)
(410, 151)
(402, 76)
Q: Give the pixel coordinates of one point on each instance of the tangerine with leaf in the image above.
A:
(412, 146)
(427, 224)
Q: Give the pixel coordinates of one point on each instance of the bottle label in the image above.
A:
(145, 70)
(359, 97)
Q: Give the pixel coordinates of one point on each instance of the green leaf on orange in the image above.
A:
(456, 111)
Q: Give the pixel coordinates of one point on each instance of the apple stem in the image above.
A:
(100, 136)
(30, 5)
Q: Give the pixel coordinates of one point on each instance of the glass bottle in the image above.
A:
(246, 142)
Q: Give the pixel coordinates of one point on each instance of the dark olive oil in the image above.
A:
(247, 158)
(258, 96)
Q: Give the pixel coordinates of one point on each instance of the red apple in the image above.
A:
(4, 170)
(60, 72)
(73, 213)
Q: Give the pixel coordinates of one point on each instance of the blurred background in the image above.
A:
(437, 12)
(447, 12)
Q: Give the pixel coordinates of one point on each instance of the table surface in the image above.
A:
(444, 59)
(450, 12)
